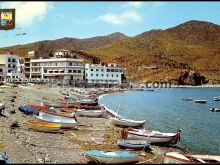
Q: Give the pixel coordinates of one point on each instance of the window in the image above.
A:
(91, 74)
(69, 71)
(9, 59)
(70, 63)
(107, 75)
(86, 68)
(79, 71)
(9, 65)
(112, 75)
(116, 70)
(1, 70)
(102, 75)
(112, 65)
(102, 70)
(13, 66)
(56, 71)
(97, 70)
(108, 70)
(74, 71)
(86, 74)
(9, 71)
(91, 69)
(116, 75)
(97, 75)
(112, 70)
(62, 71)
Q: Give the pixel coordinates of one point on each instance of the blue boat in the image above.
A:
(133, 144)
(27, 110)
(4, 159)
(111, 156)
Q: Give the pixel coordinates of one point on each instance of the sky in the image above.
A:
(53, 20)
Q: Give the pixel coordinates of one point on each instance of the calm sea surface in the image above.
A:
(164, 111)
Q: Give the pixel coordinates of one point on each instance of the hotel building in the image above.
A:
(12, 66)
(57, 68)
(105, 73)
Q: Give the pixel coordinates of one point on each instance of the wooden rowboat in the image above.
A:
(123, 122)
(43, 126)
(110, 156)
(178, 158)
(151, 136)
(133, 144)
(64, 121)
(45, 109)
(90, 113)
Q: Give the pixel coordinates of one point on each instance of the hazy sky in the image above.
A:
(53, 20)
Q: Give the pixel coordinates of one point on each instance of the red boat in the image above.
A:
(45, 110)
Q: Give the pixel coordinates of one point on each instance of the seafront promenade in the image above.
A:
(26, 146)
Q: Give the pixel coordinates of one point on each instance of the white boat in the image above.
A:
(215, 109)
(90, 113)
(64, 121)
(2, 105)
(186, 98)
(151, 136)
(123, 122)
(200, 101)
(178, 158)
(111, 156)
(217, 98)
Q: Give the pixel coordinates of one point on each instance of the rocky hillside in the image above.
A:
(45, 47)
(192, 45)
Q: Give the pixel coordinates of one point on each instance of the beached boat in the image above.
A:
(186, 98)
(110, 156)
(90, 113)
(45, 109)
(43, 126)
(215, 109)
(57, 104)
(151, 136)
(217, 98)
(178, 158)
(133, 144)
(64, 121)
(27, 110)
(123, 122)
(4, 158)
(200, 101)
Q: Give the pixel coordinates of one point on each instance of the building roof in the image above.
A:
(62, 50)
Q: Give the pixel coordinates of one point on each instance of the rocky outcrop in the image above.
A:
(191, 78)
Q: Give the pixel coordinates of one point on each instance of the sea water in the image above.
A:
(165, 111)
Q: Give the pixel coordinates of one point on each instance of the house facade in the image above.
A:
(12, 66)
(105, 73)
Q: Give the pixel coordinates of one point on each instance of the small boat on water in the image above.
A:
(90, 113)
(43, 126)
(200, 101)
(123, 122)
(64, 121)
(27, 110)
(186, 98)
(215, 109)
(133, 144)
(178, 158)
(151, 136)
(4, 158)
(110, 156)
(217, 98)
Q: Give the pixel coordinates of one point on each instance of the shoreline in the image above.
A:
(26, 146)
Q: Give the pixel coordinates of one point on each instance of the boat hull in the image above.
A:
(91, 113)
(43, 126)
(133, 144)
(111, 159)
(126, 122)
(64, 121)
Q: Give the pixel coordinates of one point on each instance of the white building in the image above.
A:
(12, 65)
(2, 71)
(62, 53)
(105, 73)
(57, 68)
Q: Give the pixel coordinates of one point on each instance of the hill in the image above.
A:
(45, 47)
(192, 45)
